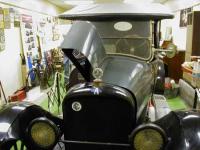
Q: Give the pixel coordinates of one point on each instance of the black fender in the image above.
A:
(182, 129)
(14, 120)
(159, 86)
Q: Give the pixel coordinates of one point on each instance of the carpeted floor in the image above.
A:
(54, 108)
(176, 103)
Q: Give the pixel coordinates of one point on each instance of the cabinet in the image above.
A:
(173, 66)
(193, 35)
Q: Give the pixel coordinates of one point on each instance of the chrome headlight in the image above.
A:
(148, 136)
(43, 133)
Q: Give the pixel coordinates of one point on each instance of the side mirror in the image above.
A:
(170, 52)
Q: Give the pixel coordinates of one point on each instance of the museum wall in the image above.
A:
(40, 6)
(179, 33)
(10, 60)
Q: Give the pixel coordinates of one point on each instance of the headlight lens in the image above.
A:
(149, 136)
(43, 133)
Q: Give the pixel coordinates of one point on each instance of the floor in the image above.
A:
(40, 97)
(36, 95)
(176, 103)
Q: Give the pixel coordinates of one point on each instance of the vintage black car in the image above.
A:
(116, 70)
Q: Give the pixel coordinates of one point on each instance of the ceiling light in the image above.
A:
(78, 2)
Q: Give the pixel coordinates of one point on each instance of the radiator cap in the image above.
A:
(97, 74)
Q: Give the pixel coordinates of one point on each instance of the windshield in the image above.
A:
(126, 37)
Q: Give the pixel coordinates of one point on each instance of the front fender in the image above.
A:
(8, 115)
(182, 129)
(14, 120)
(160, 77)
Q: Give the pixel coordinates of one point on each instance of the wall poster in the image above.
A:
(7, 18)
(184, 16)
(2, 40)
(48, 32)
(1, 18)
(2, 34)
(28, 37)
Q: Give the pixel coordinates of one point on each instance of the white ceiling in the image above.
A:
(174, 5)
(60, 3)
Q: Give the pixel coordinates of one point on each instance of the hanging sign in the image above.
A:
(1, 18)
(2, 40)
(7, 19)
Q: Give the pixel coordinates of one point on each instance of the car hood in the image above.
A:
(131, 74)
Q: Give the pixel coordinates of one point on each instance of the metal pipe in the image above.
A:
(96, 143)
(6, 101)
(58, 90)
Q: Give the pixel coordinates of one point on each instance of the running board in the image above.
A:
(161, 106)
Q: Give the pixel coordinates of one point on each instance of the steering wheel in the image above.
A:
(123, 46)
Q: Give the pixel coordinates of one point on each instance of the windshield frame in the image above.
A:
(131, 36)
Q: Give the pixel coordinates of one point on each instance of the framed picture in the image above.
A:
(2, 40)
(184, 17)
(1, 18)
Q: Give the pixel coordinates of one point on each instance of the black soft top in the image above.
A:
(118, 11)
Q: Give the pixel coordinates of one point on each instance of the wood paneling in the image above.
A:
(196, 34)
(174, 65)
(193, 36)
